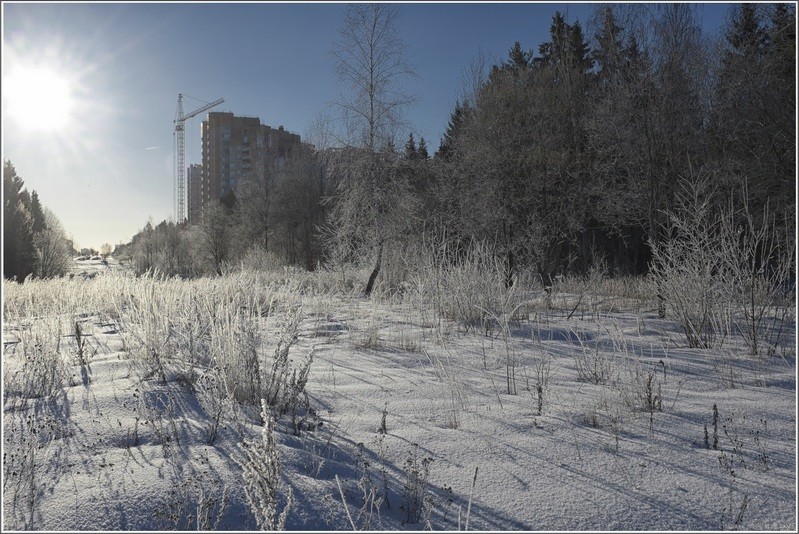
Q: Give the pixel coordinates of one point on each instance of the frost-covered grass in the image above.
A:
(135, 403)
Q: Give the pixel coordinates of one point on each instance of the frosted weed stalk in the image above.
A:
(368, 495)
(284, 386)
(261, 473)
(469, 285)
(506, 311)
(594, 365)
(457, 398)
(146, 317)
(35, 368)
(28, 438)
(626, 377)
(416, 501)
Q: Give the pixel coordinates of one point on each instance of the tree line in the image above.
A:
(571, 155)
(556, 159)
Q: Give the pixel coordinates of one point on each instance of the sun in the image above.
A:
(38, 98)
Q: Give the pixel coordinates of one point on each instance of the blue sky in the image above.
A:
(110, 168)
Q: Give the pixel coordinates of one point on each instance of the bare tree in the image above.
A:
(298, 209)
(255, 194)
(473, 78)
(371, 67)
(216, 236)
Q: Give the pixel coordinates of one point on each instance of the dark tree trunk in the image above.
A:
(375, 271)
(511, 266)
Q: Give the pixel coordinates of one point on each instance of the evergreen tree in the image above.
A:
(753, 120)
(446, 149)
(782, 51)
(554, 51)
(782, 34)
(39, 221)
(410, 149)
(609, 51)
(18, 252)
(518, 59)
(624, 164)
(422, 150)
(579, 52)
(389, 148)
(747, 36)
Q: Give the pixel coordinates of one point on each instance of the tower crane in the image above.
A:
(180, 139)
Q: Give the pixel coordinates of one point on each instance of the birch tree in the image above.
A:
(370, 65)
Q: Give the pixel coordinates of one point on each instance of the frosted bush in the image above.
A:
(687, 267)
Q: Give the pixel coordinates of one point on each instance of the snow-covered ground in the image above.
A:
(91, 266)
(609, 423)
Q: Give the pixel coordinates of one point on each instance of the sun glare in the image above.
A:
(38, 98)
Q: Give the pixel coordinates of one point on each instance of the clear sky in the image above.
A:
(94, 135)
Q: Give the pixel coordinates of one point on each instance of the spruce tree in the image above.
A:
(410, 149)
(782, 49)
(389, 148)
(609, 51)
(422, 150)
(18, 251)
(39, 223)
(753, 121)
(747, 36)
(446, 150)
(579, 52)
(518, 58)
(553, 52)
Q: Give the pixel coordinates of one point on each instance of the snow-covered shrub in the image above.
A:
(464, 283)
(256, 258)
(35, 368)
(594, 365)
(687, 266)
(235, 347)
(722, 271)
(472, 286)
(261, 474)
(146, 318)
(216, 401)
(282, 385)
(759, 266)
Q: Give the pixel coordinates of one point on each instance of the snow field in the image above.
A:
(145, 433)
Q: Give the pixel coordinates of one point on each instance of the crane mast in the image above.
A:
(180, 139)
